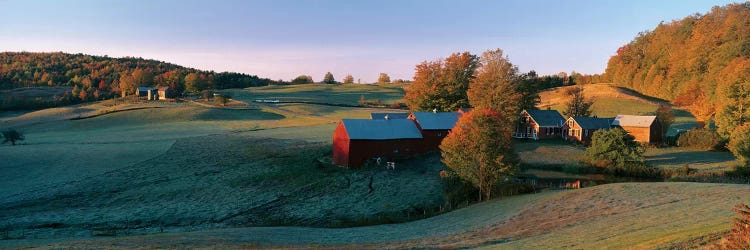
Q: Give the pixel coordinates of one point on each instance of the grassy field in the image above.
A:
(614, 216)
(250, 177)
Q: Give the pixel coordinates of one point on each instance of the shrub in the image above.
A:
(701, 139)
(614, 147)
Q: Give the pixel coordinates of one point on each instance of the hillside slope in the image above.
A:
(640, 215)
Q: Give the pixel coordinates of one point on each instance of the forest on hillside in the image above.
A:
(101, 77)
(701, 62)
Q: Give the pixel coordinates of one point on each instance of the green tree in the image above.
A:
(614, 147)
(383, 78)
(495, 85)
(348, 79)
(666, 117)
(740, 144)
(529, 86)
(578, 106)
(302, 79)
(479, 150)
(442, 84)
(328, 78)
(11, 135)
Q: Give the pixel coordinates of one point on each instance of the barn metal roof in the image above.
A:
(593, 122)
(146, 88)
(366, 129)
(546, 118)
(381, 116)
(634, 120)
(436, 120)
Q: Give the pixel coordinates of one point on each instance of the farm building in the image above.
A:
(646, 129)
(166, 93)
(434, 126)
(357, 140)
(148, 92)
(539, 124)
(582, 128)
(380, 116)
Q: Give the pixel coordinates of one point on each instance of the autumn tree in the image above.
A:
(383, 78)
(495, 85)
(328, 78)
(614, 147)
(739, 236)
(442, 84)
(348, 79)
(11, 135)
(479, 150)
(665, 116)
(739, 144)
(578, 106)
(196, 82)
(734, 101)
(127, 84)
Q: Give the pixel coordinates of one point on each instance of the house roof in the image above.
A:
(145, 88)
(366, 129)
(593, 122)
(546, 118)
(163, 88)
(380, 116)
(436, 120)
(634, 120)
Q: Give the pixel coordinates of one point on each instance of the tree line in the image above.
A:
(701, 62)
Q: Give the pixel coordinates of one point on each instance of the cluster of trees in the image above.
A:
(479, 149)
(701, 62)
(328, 78)
(100, 77)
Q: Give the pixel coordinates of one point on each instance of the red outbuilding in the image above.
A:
(434, 126)
(357, 140)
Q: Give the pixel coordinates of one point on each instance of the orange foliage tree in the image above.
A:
(739, 237)
(442, 84)
(495, 86)
(479, 150)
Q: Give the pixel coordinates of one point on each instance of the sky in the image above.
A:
(281, 39)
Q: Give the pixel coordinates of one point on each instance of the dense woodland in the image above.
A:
(701, 62)
(101, 77)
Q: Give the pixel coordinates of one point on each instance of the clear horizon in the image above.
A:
(284, 39)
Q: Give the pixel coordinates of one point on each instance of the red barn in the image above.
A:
(582, 128)
(434, 126)
(646, 129)
(539, 124)
(357, 140)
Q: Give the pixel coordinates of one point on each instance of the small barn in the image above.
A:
(434, 126)
(166, 93)
(646, 129)
(381, 116)
(148, 92)
(582, 128)
(539, 124)
(357, 140)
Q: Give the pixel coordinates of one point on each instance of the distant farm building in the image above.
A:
(539, 124)
(646, 129)
(166, 93)
(381, 116)
(357, 140)
(434, 126)
(148, 92)
(582, 128)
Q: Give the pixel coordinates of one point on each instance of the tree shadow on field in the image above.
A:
(690, 157)
(237, 115)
